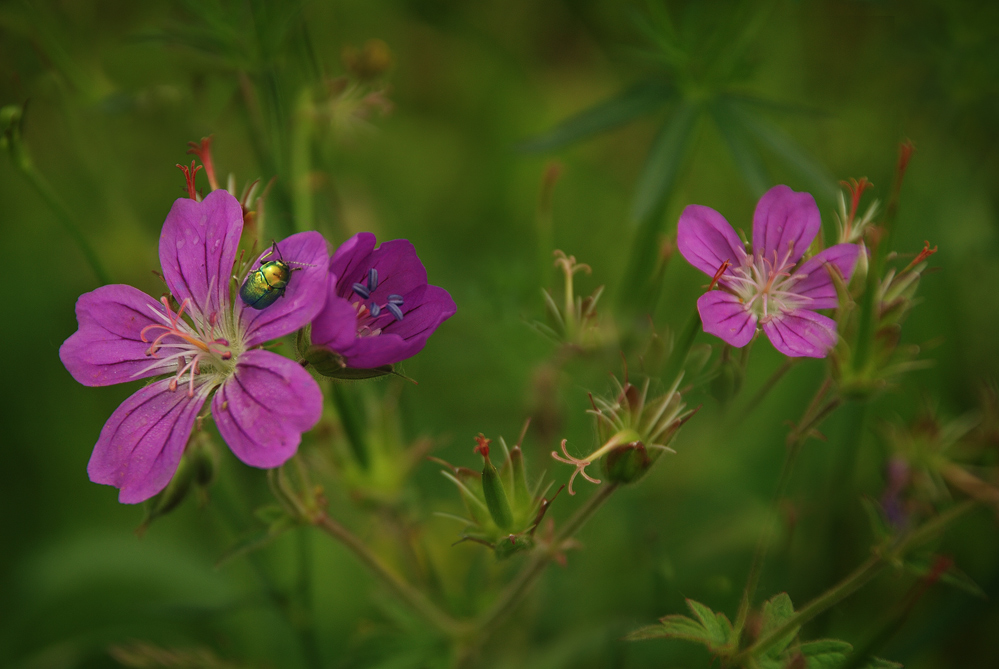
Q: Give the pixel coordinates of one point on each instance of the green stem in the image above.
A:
(683, 344)
(22, 161)
(513, 593)
(796, 438)
(765, 389)
(306, 624)
(857, 579)
(349, 411)
(415, 599)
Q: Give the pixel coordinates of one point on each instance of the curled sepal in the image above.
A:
(329, 363)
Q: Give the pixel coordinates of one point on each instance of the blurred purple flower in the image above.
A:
(379, 309)
(263, 401)
(768, 288)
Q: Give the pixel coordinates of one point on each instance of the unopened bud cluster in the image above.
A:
(503, 511)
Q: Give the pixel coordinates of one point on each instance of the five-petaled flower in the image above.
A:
(209, 342)
(768, 288)
(379, 308)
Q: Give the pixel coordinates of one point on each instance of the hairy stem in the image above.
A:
(857, 579)
(415, 599)
(795, 440)
(510, 597)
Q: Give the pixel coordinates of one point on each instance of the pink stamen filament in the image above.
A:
(203, 343)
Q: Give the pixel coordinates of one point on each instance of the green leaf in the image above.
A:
(880, 663)
(711, 629)
(640, 99)
(922, 565)
(716, 625)
(745, 155)
(825, 653)
(663, 163)
(256, 540)
(658, 178)
(778, 141)
(776, 611)
(876, 518)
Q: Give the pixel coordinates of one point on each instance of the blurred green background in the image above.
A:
(115, 90)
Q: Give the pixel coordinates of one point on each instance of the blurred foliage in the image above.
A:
(421, 135)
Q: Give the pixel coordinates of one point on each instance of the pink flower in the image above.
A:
(263, 402)
(769, 288)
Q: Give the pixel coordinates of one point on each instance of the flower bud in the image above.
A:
(628, 463)
(503, 513)
(492, 488)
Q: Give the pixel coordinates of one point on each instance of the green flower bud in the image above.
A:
(627, 463)
(492, 488)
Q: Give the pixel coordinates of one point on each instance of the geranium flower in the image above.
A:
(263, 401)
(379, 309)
(769, 288)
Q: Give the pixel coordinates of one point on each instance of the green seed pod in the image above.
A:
(513, 544)
(627, 463)
(492, 488)
(521, 496)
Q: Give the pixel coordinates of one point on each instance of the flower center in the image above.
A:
(765, 284)
(368, 314)
(191, 346)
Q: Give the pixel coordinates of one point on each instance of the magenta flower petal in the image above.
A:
(108, 348)
(349, 262)
(817, 284)
(393, 311)
(141, 444)
(802, 333)
(784, 222)
(264, 408)
(371, 352)
(336, 325)
(306, 253)
(707, 240)
(725, 316)
(198, 247)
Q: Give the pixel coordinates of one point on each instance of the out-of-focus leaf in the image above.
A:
(657, 26)
(256, 540)
(641, 99)
(711, 629)
(776, 611)
(880, 663)
(745, 155)
(825, 653)
(784, 147)
(663, 163)
(661, 169)
(921, 566)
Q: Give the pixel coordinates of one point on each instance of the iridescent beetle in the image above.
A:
(264, 285)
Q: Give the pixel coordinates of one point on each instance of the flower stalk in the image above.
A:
(862, 575)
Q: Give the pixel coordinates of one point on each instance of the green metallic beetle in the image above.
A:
(264, 285)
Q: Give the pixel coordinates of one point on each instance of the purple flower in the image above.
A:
(768, 288)
(263, 401)
(379, 309)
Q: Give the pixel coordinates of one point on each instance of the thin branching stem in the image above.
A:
(862, 575)
(407, 593)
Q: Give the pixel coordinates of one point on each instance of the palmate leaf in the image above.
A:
(642, 98)
(663, 163)
(776, 140)
(654, 186)
(776, 611)
(745, 155)
(711, 629)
